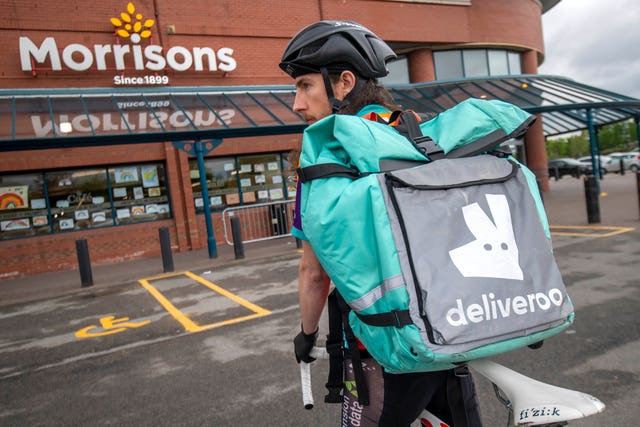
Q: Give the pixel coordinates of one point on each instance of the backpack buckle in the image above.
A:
(396, 317)
(461, 370)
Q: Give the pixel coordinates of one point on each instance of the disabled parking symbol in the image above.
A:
(109, 325)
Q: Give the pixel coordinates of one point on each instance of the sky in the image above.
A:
(595, 42)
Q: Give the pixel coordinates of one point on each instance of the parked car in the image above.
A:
(631, 160)
(566, 166)
(607, 164)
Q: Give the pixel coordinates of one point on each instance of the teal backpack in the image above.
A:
(438, 244)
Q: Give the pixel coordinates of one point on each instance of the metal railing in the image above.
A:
(263, 221)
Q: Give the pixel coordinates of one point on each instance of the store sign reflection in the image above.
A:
(133, 121)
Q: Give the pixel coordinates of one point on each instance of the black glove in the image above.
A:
(302, 345)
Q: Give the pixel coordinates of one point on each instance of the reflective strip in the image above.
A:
(378, 292)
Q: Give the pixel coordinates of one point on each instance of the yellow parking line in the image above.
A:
(612, 231)
(187, 323)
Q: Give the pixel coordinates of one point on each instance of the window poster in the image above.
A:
(258, 167)
(126, 174)
(155, 192)
(14, 197)
(276, 179)
(273, 166)
(276, 194)
(229, 167)
(245, 168)
(62, 203)
(120, 192)
(137, 210)
(38, 204)
(245, 182)
(260, 179)
(249, 197)
(194, 173)
(163, 208)
(149, 176)
(40, 220)
(66, 224)
(215, 201)
(263, 194)
(81, 214)
(199, 202)
(232, 199)
(15, 224)
(151, 208)
(123, 213)
(138, 193)
(97, 217)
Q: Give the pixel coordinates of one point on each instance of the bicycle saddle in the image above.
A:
(533, 402)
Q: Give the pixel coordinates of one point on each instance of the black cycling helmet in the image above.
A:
(336, 45)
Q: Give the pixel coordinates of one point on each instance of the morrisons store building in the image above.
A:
(122, 118)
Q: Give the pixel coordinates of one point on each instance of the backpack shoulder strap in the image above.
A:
(326, 170)
(407, 123)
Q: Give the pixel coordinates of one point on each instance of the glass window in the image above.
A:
(456, 64)
(514, 63)
(79, 199)
(261, 178)
(231, 181)
(222, 183)
(475, 63)
(448, 64)
(23, 206)
(498, 65)
(398, 72)
(139, 193)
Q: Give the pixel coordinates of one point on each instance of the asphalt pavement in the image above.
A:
(565, 202)
(116, 354)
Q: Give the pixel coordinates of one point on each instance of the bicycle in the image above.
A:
(528, 401)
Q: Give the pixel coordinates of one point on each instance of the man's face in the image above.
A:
(311, 98)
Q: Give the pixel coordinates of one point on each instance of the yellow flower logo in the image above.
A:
(130, 25)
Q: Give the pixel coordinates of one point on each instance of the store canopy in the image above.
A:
(55, 118)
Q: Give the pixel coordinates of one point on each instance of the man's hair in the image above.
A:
(370, 92)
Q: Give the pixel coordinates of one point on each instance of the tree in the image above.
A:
(615, 137)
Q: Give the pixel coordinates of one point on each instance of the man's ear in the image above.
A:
(345, 85)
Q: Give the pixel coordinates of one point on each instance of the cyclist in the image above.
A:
(336, 65)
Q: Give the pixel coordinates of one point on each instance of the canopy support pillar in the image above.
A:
(199, 149)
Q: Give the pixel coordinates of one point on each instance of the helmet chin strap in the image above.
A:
(337, 104)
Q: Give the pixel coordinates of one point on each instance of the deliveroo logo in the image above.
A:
(494, 253)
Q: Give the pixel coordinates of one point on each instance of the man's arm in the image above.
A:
(313, 288)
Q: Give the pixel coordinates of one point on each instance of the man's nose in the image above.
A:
(298, 104)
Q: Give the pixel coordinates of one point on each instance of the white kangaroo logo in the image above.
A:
(494, 253)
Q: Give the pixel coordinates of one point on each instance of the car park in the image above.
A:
(607, 164)
(630, 159)
(566, 166)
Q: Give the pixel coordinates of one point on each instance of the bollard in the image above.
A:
(84, 263)
(591, 195)
(236, 234)
(621, 166)
(165, 248)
